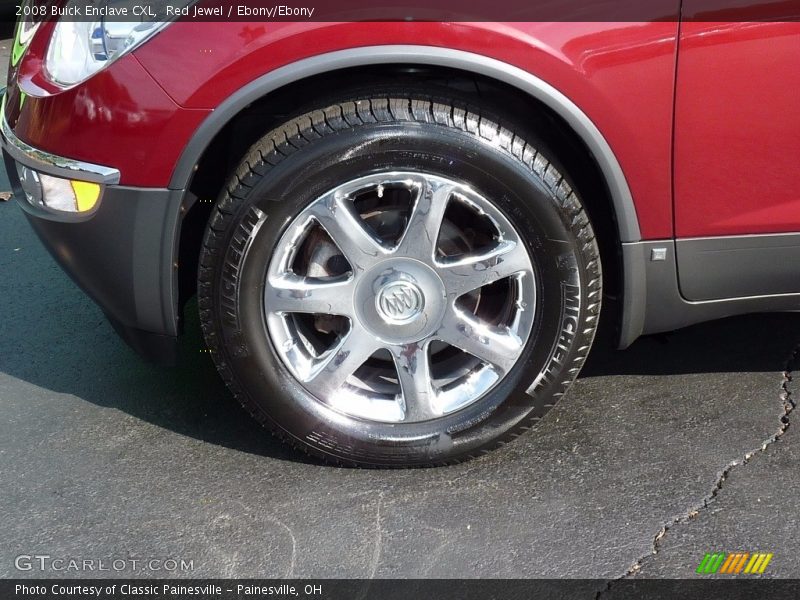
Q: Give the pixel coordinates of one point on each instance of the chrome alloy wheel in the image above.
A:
(400, 297)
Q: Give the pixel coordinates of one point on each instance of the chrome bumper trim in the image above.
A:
(52, 164)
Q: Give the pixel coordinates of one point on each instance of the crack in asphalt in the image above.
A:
(789, 404)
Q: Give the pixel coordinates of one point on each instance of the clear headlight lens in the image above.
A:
(79, 50)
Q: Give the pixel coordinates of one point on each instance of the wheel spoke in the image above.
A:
(347, 230)
(496, 346)
(470, 273)
(352, 352)
(425, 220)
(294, 294)
(413, 370)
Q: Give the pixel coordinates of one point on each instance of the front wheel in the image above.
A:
(396, 281)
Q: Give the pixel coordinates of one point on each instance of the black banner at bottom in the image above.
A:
(388, 589)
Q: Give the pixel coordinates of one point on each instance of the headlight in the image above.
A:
(79, 50)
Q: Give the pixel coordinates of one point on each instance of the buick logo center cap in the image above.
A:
(399, 302)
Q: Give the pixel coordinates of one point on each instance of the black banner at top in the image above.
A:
(411, 10)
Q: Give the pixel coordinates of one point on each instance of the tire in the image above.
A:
(267, 355)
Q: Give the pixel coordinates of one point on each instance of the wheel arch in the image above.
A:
(622, 222)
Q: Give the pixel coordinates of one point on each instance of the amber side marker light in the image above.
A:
(86, 195)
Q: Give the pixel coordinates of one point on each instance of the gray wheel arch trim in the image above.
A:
(627, 221)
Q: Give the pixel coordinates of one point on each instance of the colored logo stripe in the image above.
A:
(734, 563)
(732, 558)
(758, 563)
(711, 563)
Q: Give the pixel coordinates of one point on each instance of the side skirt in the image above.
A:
(669, 284)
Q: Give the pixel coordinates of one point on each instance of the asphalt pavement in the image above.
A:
(681, 445)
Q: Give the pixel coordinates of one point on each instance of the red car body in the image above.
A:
(693, 125)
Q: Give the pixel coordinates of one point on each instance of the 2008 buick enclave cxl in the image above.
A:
(395, 230)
